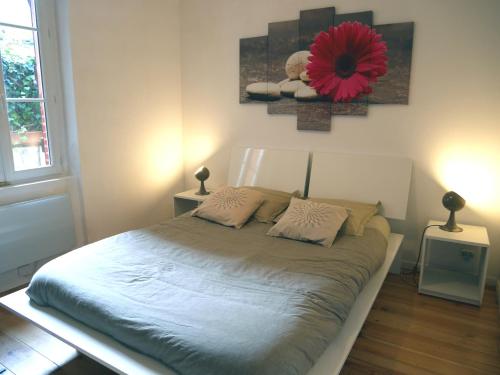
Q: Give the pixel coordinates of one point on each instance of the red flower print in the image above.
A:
(345, 60)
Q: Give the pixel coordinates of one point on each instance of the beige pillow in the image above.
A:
(230, 206)
(309, 221)
(278, 218)
(381, 224)
(360, 213)
(275, 202)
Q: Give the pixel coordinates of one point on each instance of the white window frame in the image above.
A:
(54, 111)
(3, 179)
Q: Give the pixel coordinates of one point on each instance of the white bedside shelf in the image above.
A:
(445, 273)
(187, 200)
(448, 284)
(472, 235)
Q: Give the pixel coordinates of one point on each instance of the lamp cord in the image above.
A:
(413, 272)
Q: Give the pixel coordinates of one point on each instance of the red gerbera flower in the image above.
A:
(345, 60)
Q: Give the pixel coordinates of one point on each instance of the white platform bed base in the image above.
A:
(279, 169)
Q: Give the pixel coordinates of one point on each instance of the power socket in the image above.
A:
(467, 255)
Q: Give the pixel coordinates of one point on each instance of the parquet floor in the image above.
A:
(408, 333)
(405, 333)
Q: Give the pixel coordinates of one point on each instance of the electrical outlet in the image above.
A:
(467, 255)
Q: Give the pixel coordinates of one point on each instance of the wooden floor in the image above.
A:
(408, 333)
(405, 333)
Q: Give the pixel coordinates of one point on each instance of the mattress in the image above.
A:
(206, 299)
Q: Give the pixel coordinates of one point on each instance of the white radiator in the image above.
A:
(35, 230)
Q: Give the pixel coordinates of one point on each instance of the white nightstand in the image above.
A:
(187, 200)
(454, 264)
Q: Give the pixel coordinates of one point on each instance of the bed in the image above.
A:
(251, 279)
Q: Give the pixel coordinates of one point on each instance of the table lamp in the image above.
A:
(453, 202)
(201, 175)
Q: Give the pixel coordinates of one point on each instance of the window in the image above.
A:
(30, 110)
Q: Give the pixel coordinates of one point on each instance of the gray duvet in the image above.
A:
(207, 299)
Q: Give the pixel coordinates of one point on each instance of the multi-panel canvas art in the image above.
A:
(326, 64)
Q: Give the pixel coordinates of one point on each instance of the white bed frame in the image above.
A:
(123, 360)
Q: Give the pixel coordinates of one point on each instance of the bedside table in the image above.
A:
(187, 200)
(454, 264)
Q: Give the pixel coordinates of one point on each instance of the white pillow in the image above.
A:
(310, 221)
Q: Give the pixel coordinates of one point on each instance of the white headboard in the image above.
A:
(284, 170)
(365, 178)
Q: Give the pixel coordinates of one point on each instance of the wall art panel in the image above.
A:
(283, 42)
(327, 64)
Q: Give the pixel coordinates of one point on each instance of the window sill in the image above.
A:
(33, 190)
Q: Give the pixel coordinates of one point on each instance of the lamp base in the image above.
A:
(202, 190)
(448, 229)
(202, 193)
(451, 224)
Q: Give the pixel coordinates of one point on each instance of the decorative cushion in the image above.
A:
(305, 220)
(359, 213)
(275, 202)
(230, 206)
(278, 218)
(381, 224)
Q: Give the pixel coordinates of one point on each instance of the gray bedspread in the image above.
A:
(207, 299)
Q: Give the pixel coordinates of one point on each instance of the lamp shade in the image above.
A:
(453, 202)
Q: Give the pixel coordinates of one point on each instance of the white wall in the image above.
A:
(127, 94)
(451, 124)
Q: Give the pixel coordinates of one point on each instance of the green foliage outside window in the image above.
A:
(20, 82)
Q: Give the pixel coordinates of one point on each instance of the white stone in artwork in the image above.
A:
(306, 93)
(304, 77)
(263, 90)
(296, 64)
(289, 88)
(280, 83)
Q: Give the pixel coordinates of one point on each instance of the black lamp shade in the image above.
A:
(201, 175)
(453, 202)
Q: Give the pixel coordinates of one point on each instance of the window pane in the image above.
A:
(28, 135)
(20, 63)
(17, 12)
